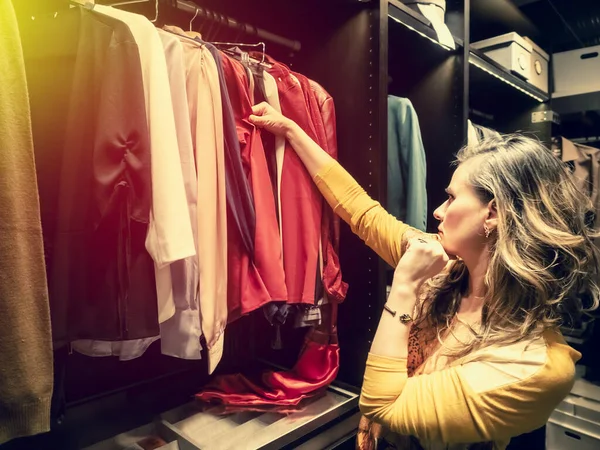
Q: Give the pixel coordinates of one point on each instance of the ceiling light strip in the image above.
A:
(473, 60)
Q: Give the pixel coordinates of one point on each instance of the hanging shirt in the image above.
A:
(176, 333)
(180, 335)
(100, 271)
(407, 166)
(275, 313)
(170, 236)
(253, 283)
(301, 206)
(272, 97)
(206, 114)
(240, 199)
(239, 194)
(324, 111)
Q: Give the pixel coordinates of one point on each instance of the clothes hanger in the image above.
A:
(194, 18)
(88, 4)
(179, 35)
(261, 63)
(156, 14)
(132, 2)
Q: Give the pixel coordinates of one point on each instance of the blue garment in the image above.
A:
(237, 190)
(407, 166)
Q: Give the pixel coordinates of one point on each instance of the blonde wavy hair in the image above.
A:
(543, 266)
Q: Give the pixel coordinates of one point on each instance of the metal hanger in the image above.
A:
(241, 44)
(156, 9)
(132, 2)
(194, 18)
(89, 4)
(82, 3)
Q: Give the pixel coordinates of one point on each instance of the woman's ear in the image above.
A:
(492, 216)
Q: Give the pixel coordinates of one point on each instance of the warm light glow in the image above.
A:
(445, 47)
(476, 63)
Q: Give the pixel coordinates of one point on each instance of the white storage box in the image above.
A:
(571, 422)
(509, 50)
(559, 437)
(584, 388)
(539, 67)
(583, 408)
(576, 71)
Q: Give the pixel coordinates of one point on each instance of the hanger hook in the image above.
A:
(156, 14)
(193, 18)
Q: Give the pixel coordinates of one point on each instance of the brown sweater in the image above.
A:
(25, 340)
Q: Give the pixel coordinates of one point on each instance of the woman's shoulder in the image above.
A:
(544, 363)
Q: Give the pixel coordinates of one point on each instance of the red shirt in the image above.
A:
(253, 280)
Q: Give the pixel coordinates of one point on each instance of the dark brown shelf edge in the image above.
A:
(413, 20)
(478, 58)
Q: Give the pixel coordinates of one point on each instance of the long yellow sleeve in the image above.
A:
(367, 218)
(500, 393)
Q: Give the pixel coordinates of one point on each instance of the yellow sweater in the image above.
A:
(495, 394)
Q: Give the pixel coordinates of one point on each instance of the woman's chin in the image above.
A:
(451, 252)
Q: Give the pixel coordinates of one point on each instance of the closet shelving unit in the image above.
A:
(432, 76)
(361, 52)
(498, 98)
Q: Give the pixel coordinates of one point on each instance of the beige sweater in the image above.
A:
(25, 338)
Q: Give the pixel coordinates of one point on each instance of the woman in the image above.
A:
(479, 330)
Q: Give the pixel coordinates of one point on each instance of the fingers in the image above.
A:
(428, 247)
(257, 120)
(423, 238)
(259, 113)
(261, 109)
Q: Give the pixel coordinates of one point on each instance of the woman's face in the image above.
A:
(462, 216)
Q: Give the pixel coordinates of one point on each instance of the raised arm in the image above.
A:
(368, 219)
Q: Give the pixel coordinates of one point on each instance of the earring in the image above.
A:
(487, 230)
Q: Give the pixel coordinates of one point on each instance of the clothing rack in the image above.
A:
(200, 12)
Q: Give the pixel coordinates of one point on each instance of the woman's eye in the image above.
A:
(450, 197)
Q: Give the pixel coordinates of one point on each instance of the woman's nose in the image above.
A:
(438, 213)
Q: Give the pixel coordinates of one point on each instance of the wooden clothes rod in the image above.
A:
(206, 14)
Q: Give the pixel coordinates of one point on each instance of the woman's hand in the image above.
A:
(424, 258)
(265, 116)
